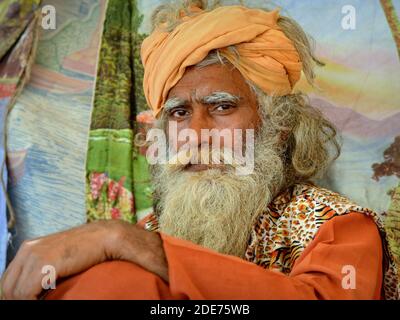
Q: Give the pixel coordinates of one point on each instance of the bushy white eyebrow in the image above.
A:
(173, 103)
(213, 98)
(220, 96)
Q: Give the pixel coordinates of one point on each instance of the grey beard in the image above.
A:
(218, 209)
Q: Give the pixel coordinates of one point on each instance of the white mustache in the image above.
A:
(206, 156)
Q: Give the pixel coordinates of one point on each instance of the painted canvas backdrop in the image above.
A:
(18, 33)
(48, 127)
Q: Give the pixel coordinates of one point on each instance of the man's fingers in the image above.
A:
(11, 283)
(10, 278)
(28, 284)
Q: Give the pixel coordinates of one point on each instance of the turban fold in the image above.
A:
(266, 56)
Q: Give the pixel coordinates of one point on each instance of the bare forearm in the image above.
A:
(73, 251)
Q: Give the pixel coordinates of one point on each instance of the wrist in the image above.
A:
(124, 241)
(157, 260)
(115, 235)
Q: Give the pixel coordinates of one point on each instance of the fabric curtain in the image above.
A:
(118, 181)
(18, 34)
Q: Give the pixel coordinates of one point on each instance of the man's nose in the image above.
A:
(201, 121)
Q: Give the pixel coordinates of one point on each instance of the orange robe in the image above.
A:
(199, 273)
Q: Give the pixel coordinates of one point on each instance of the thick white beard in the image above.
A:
(217, 209)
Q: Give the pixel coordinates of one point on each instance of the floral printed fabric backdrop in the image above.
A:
(118, 182)
(55, 171)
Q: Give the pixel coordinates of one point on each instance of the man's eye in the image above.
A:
(224, 107)
(178, 113)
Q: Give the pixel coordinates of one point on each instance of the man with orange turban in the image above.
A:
(215, 234)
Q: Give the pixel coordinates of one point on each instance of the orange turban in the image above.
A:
(266, 56)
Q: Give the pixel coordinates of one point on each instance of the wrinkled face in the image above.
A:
(212, 205)
(211, 97)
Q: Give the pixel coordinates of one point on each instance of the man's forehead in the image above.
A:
(198, 83)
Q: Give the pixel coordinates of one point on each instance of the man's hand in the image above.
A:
(78, 249)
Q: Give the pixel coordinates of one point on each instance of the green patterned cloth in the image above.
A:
(118, 180)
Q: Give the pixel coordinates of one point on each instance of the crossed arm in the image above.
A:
(186, 270)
